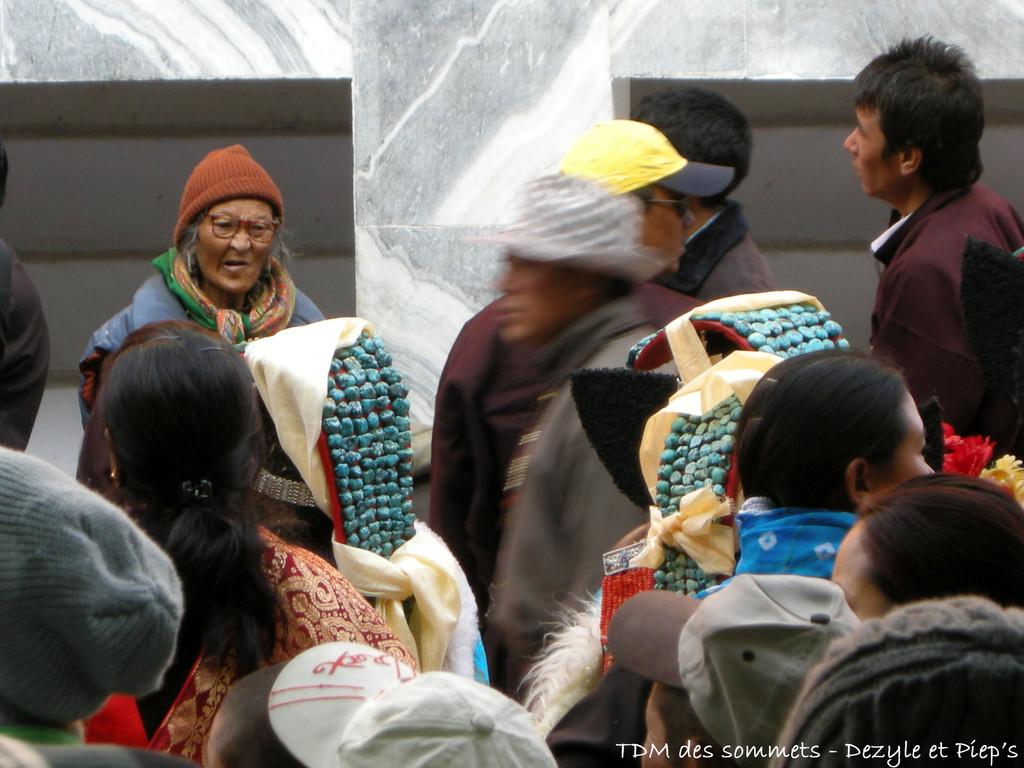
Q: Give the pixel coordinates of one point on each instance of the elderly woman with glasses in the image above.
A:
(225, 271)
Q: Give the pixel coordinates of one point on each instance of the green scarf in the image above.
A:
(39, 734)
(270, 310)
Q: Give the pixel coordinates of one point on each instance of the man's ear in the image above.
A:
(910, 159)
(857, 480)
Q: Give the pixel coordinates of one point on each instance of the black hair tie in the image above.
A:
(196, 493)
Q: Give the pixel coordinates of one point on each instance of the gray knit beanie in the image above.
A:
(90, 606)
(21, 754)
(937, 673)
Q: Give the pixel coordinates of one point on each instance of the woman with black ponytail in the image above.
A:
(185, 442)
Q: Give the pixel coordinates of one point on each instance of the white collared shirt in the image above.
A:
(881, 240)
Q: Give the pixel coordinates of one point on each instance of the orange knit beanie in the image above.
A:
(225, 174)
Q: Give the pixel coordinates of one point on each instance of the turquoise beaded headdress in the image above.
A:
(367, 444)
(342, 416)
(698, 447)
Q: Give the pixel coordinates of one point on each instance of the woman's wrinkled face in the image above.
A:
(231, 266)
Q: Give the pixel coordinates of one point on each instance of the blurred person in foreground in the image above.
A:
(572, 258)
(24, 343)
(91, 606)
(936, 682)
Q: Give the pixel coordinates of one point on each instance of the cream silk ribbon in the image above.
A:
(693, 530)
(422, 568)
(290, 369)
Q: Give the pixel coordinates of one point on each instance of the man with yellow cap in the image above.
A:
(488, 392)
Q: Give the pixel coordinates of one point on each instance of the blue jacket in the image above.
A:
(152, 303)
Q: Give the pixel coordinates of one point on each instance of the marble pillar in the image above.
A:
(458, 106)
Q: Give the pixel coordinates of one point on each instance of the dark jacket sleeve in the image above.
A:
(485, 399)
(26, 357)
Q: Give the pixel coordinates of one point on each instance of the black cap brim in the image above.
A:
(699, 179)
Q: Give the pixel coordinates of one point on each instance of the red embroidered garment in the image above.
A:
(321, 606)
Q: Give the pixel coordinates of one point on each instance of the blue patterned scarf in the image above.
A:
(793, 540)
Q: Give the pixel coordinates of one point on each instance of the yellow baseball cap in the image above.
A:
(624, 155)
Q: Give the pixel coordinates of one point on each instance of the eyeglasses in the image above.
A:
(225, 226)
(681, 206)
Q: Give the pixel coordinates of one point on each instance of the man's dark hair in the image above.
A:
(703, 126)
(927, 95)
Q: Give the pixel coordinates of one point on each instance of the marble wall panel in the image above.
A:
(783, 39)
(460, 105)
(824, 39)
(60, 40)
(404, 290)
(651, 38)
(457, 109)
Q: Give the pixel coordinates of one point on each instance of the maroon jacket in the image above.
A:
(486, 397)
(917, 317)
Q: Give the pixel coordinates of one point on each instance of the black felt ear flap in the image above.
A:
(934, 441)
(991, 291)
(613, 405)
